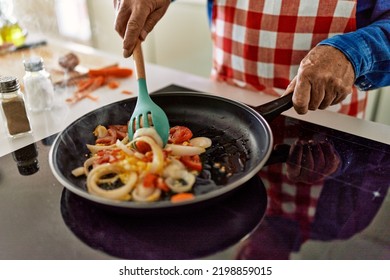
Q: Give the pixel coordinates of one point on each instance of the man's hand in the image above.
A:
(311, 161)
(136, 18)
(325, 77)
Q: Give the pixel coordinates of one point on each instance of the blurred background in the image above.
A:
(181, 40)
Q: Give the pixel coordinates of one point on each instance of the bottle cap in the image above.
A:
(33, 63)
(8, 84)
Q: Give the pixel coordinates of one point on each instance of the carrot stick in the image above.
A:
(114, 71)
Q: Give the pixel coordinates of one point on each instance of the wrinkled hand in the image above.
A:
(136, 18)
(325, 77)
(311, 161)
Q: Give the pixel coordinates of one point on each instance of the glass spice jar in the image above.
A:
(13, 108)
(38, 87)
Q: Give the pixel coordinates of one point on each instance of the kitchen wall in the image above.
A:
(37, 16)
(180, 40)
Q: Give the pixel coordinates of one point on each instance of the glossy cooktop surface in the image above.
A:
(323, 194)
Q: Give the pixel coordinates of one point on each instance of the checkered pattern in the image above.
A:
(293, 201)
(259, 44)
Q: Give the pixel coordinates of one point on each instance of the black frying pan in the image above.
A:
(242, 142)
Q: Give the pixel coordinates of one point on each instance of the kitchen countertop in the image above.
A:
(42, 220)
(48, 123)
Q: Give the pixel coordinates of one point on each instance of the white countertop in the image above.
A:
(47, 123)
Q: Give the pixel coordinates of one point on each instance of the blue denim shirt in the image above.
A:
(368, 48)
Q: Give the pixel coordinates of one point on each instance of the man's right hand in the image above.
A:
(136, 18)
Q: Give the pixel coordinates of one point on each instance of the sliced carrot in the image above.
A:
(92, 97)
(113, 84)
(126, 92)
(84, 84)
(114, 71)
(97, 78)
(87, 88)
(182, 197)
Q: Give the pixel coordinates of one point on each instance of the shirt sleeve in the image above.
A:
(368, 49)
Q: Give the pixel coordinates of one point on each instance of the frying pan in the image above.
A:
(242, 142)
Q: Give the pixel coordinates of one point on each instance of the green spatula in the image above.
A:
(146, 112)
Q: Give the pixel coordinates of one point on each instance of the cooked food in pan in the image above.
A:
(142, 169)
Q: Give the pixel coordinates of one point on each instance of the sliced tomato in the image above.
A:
(155, 181)
(179, 134)
(108, 156)
(108, 139)
(150, 180)
(162, 185)
(192, 162)
(142, 147)
(121, 130)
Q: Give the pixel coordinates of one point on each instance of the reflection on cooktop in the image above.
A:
(203, 232)
(331, 203)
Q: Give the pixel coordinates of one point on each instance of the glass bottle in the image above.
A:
(13, 108)
(38, 86)
(10, 29)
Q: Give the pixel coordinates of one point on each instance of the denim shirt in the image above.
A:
(368, 48)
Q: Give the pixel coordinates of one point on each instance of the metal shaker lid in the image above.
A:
(8, 84)
(34, 63)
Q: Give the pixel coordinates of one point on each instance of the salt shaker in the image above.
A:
(13, 107)
(38, 86)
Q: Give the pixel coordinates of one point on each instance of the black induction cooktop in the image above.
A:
(323, 194)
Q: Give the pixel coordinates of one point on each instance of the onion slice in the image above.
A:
(105, 169)
(181, 150)
(203, 142)
(148, 131)
(124, 148)
(143, 194)
(180, 181)
(158, 156)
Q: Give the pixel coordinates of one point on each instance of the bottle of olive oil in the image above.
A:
(10, 29)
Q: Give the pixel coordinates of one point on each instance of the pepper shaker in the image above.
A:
(38, 86)
(13, 107)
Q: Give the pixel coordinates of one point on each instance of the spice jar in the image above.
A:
(13, 108)
(38, 86)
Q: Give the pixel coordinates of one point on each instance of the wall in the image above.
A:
(381, 103)
(180, 40)
(37, 16)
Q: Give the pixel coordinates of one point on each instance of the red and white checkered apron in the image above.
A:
(287, 199)
(259, 44)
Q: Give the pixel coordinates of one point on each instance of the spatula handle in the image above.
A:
(139, 61)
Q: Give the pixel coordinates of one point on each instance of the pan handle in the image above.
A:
(274, 108)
